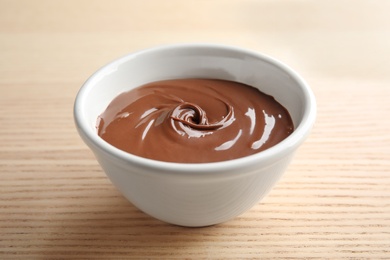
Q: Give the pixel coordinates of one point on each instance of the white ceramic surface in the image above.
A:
(195, 194)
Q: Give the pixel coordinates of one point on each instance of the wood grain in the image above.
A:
(334, 200)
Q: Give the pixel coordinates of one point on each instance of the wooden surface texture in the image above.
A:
(332, 203)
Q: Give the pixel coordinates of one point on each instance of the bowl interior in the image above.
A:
(194, 61)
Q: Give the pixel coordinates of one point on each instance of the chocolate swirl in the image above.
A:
(194, 121)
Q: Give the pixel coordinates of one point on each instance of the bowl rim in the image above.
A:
(272, 154)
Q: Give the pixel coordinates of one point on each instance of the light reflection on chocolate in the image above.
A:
(194, 121)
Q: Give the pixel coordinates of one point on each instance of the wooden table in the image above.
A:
(56, 202)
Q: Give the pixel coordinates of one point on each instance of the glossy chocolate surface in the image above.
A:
(194, 121)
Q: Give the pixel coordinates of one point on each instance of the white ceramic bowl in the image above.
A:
(205, 193)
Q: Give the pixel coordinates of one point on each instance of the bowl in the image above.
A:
(195, 194)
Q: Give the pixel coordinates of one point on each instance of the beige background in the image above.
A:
(334, 201)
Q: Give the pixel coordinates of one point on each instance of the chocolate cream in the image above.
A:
(194, 121)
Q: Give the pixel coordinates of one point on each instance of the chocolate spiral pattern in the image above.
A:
(194, 121)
